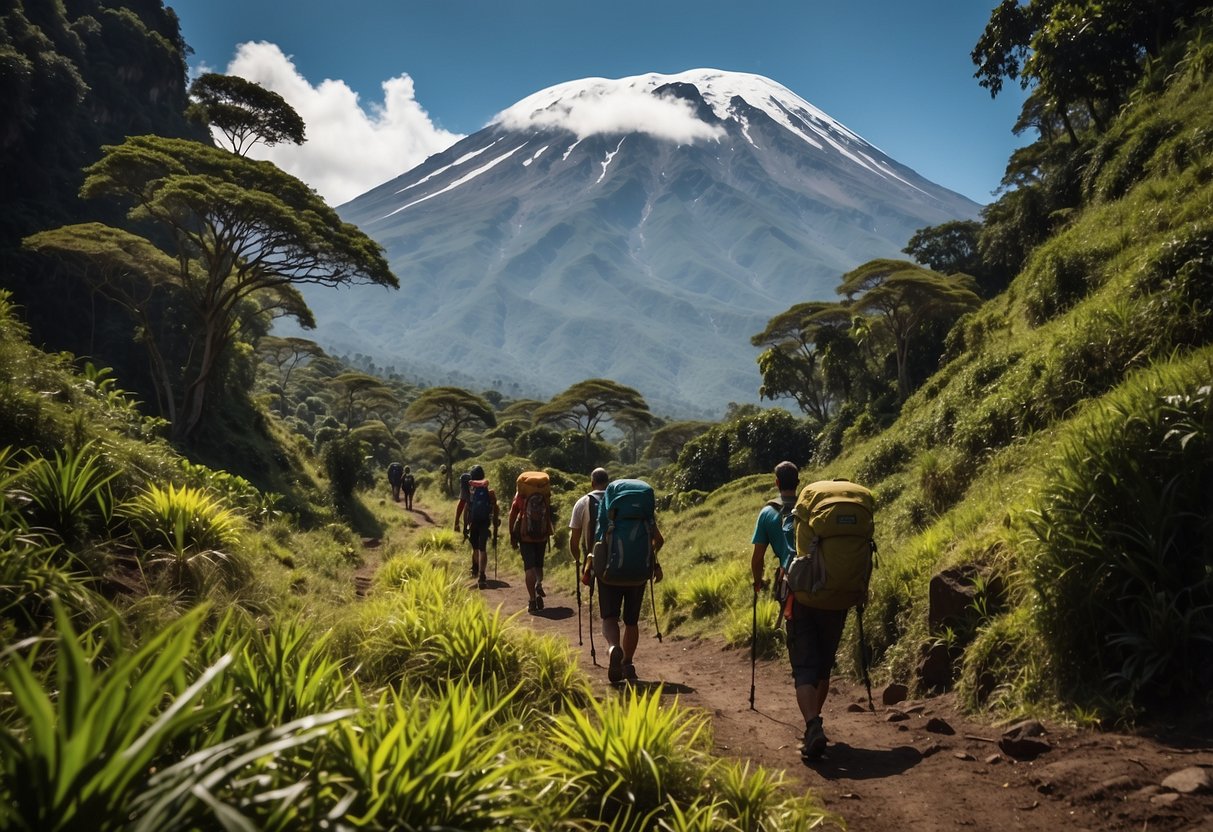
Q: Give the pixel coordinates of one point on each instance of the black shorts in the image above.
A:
(813, 637)
(611, 599)
(532, 554)
(478, 536)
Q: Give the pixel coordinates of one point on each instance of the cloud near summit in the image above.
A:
(619, 110)
(349, 148)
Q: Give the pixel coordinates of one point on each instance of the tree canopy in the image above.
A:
(586, 404)
(451, 410)
(245, 113)
(242, 232)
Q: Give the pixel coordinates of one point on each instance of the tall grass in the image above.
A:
(67, 495)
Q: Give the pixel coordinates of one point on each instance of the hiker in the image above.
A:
(464, 496)
(623, 561)
(531, 525)
(814, 606)
(480, 510)
(394, 473)
(583, 522)
(408, 484)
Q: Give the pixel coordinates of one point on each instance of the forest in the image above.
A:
(186, 498)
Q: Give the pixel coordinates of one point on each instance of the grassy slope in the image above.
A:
(1109, 315)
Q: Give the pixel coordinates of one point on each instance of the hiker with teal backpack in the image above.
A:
(465, 495)
(624, 559)
(395, 473)
(829, 574)
(583, 529)
(774, 530)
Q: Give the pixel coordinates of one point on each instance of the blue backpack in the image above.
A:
(480, 504)
(623, 555)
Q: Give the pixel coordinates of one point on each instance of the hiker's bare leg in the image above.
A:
(482, 560)
(610, 632)
(810, 698)
(530, 583)
(631, 637)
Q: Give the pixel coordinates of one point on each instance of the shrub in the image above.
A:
(68, 494)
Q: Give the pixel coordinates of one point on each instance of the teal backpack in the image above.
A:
(623, 554)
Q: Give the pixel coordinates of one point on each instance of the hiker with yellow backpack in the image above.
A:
(827, 530)
(531, 525)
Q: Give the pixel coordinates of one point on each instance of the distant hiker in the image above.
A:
(826, 574)
(480, 511)
(465, 494)
(623, 561)
(531, 525)
(408, 484)
(394, 473)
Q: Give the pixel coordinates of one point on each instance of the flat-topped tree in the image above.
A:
(286, 354)
(904, 297)
(587, 403)
(240, 231)
(451, 410)
(245, 113)
(798, 342)
(358, 391)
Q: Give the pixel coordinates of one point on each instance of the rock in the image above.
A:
(952, 592)
(894, 693)
(1191, 780)
(993, 759)
(855, 708)
(930, 748)
(896, 716)
(935, 669)
(1146, 792)
(1165, 799)
(964, 755)
(1027, 728)
(939, 726)
(1025, 748)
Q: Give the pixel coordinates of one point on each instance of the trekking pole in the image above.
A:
(494, 554)
(754, 648)
(593, 655)
(653, 598)
(577, 581)
(863, 657)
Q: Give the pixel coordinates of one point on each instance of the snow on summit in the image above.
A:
(604, 105)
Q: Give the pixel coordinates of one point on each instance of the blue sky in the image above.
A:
(896, 73)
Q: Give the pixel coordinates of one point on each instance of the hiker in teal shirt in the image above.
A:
(769, 530)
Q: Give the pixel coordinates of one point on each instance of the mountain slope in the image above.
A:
(640, 229)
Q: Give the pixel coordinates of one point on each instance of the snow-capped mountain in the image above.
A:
(640, 229)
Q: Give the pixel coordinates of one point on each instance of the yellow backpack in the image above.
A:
(834, 546)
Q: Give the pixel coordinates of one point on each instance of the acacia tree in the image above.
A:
(286, 354)
(904, 297)
(240, 231)
(245, 113)
(794, 365)
(586, 404)
(451, 410)
(358, 390)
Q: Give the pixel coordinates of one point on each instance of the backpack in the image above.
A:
(393, 472)
(834, 546)
(480, 504)
(591, 522)
(624, 554)
(408, 482)
(534, 523)
(787, 521)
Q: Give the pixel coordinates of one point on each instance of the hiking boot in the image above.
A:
(629, 672)
(538, 600)
(539, 591)
(482, 582)
(615, 665)
(531, 606)
(814, 742)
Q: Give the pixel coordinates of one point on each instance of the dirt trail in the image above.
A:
(899, 775)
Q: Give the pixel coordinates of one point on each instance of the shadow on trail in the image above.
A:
(495, 583)
(795, 727)
(845, 762)
(425, 515)
(665, 688)
(554, 613)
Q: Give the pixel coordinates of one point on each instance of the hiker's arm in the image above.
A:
(458, 512)
(575, 542)
(658, 542)
(757, 563)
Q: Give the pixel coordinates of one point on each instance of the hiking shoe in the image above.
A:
(629, 672)
(531, 606)
(814, 742)
(538, 601)
(539, 591)
(615, 665)
(482, 582)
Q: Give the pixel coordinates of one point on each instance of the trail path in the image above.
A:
(890, 770)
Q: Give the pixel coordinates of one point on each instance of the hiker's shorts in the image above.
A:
(612, 598)
(813, 637)
(532, 554)
(478, 536)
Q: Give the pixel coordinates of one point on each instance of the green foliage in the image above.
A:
(768, 635)
(343, 463)
(246, 113)
(1122, 547)
(68, 495)
(750, 445)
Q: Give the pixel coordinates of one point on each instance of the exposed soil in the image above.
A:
(898, 768)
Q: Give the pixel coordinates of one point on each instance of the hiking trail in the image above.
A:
(915, 765)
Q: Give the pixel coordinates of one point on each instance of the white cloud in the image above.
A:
(349, 148)
(610, 107)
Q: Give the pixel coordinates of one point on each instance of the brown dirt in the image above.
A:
(880, 774)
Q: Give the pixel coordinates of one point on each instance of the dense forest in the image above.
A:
(184, 495)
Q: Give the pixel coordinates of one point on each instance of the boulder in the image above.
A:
(935, 669)
(1191, 780)
(894, 693)
(951, 594)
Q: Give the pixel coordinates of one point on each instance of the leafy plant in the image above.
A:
(67, 494)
